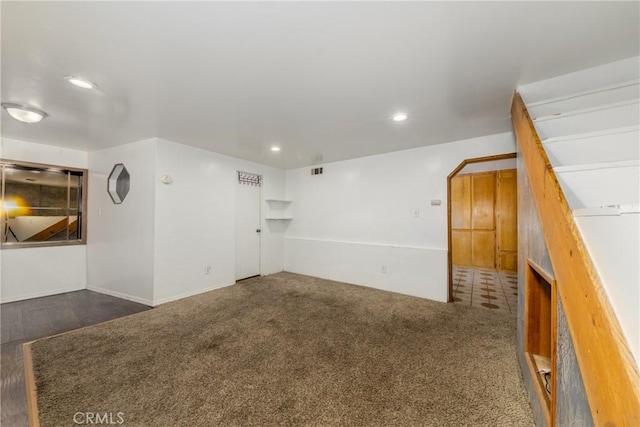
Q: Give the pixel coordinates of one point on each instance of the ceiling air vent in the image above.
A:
(316, 171)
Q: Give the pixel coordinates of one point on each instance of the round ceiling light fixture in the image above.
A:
(275, 148)
(400, 117)
(24, 113)
(80, 82)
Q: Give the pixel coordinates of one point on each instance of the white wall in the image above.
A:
(195, 220)
(349, 222)
(361, 214)
(13, 149)
(35, 272)
(120, 238)
(154, 247)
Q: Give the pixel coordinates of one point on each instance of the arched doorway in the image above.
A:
(482, 232)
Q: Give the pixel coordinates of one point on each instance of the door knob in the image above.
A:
(257, 230)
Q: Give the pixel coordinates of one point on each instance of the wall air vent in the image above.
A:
(316, 171)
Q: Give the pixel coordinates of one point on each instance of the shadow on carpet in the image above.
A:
(290, 350)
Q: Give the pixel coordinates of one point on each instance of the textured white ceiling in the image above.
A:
(320, 79)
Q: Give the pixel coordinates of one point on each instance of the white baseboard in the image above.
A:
(189, 294)
(121, 295)
(41, 294)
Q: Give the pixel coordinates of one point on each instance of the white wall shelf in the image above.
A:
(278, 210)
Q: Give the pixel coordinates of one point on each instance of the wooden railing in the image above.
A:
(609, 372)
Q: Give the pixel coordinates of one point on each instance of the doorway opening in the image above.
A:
(482, 233)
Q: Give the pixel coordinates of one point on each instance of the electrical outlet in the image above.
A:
(207, 269)
(384, 269)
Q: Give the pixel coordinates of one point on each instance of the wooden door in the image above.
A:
(473, 220)
(461, 220)
(483, 224)
(506, 220)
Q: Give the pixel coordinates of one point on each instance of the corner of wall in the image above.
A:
(60, 268)
(120, 237)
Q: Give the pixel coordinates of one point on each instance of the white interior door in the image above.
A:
(247, 230)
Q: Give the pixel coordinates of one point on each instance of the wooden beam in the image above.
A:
(609, 372)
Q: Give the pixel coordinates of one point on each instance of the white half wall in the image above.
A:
(120, 237)
(366, 213)
(36, 272)
(407, 270)
(195, 220)
(39, 272)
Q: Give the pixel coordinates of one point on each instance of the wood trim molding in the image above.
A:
(30, 384)
(449, 177)
(609, 372)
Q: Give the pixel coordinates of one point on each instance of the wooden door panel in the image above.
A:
(506, 220)
(507, 261)
(461, 202)
(483, 201)
(506, 211)
(483, 244)
(484, 220)
(461, 247)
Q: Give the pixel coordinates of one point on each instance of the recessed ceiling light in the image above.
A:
(275, 148)
(400, 117)
(77, 81)
(24, 113)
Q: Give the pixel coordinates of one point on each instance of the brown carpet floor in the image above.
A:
(288, 349)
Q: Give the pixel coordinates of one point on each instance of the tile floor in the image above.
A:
(489, 289)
